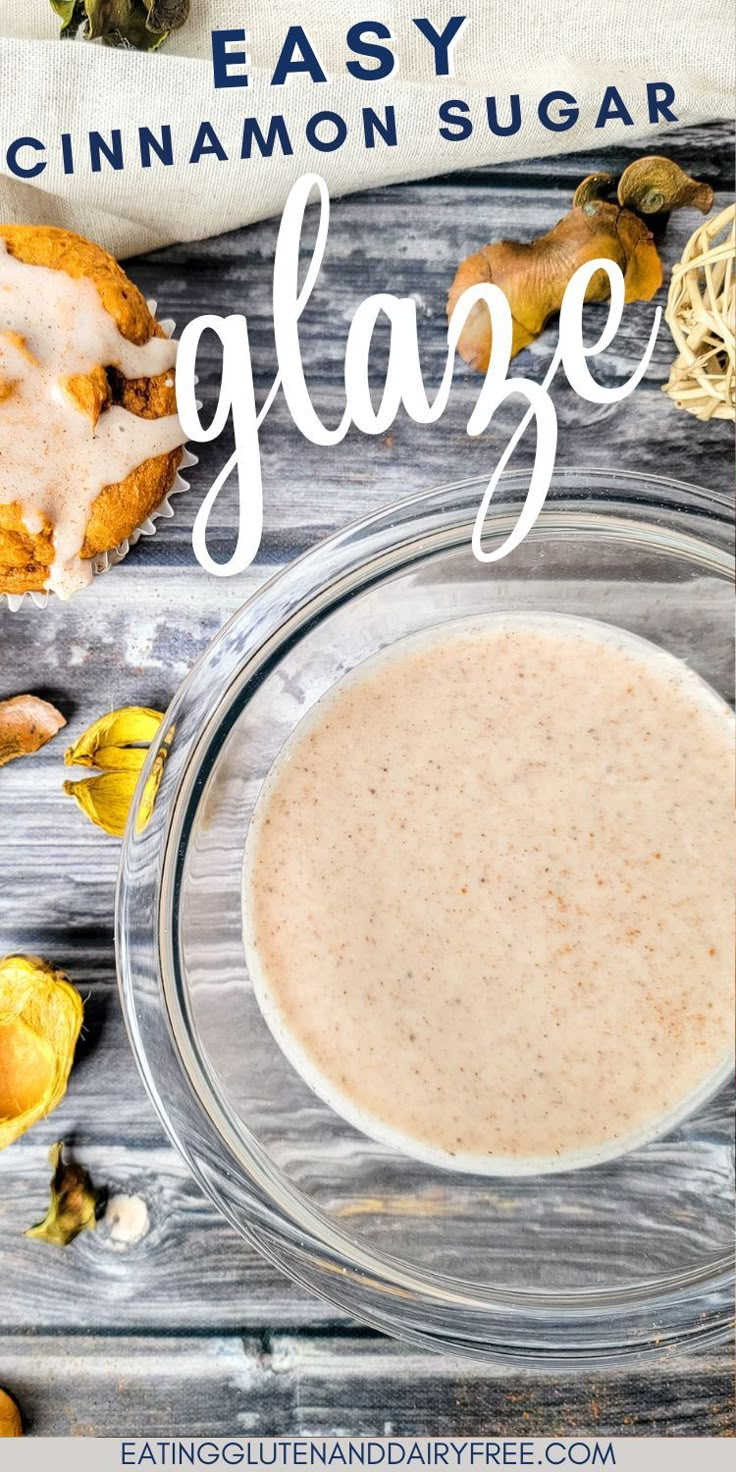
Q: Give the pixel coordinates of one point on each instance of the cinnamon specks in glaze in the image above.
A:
(488, 901)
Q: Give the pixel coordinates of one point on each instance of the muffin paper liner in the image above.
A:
(103, 561)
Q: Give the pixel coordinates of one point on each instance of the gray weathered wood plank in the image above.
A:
(338, 1384)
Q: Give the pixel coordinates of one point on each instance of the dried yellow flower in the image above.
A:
(10, 1422)
(73, 1206)
(106, 799)
(40, 1018)
(150, 788)
(119, 758)
(117, 745)
(134, 726)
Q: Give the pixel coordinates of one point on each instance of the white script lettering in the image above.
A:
(404, 383)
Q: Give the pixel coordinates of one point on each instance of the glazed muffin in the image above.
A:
(89, 439)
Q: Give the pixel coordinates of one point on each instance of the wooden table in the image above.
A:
(188, 1331)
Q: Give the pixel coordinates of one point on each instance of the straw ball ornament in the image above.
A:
(701, 313)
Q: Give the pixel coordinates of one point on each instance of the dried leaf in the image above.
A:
(108, 15)
(106, 800)
(73, 1207)
(167, 15)
(137, 36)
(40, 1019)
(71, 13)
(132, 726)
(140, 24)
(10, 1422)
(26, 724)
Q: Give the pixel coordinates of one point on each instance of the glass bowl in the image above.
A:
(616, 1262)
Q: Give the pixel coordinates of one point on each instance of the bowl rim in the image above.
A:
(303, 1243)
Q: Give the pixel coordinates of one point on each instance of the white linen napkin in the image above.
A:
(50, 87)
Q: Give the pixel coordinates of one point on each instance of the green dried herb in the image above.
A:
(66, 9)
(142, 25)
(74, 1202)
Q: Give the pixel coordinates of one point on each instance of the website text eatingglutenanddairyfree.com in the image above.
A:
(367, 1452)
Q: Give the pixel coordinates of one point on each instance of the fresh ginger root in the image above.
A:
(602, 224)
(533, 275)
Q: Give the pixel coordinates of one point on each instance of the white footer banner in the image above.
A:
(628, 1454)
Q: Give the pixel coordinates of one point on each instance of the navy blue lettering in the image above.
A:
(459, 127)
(660, 96)
(150, 145)
(276, 131)
(381, 54)
(504, 130)
(207, 142)
(297, 55)
(613, 108)
(112, 152)
(223, 60)
(441, 41)
(326, 145)
(568, 116)
(385, 127)
(25, 171)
